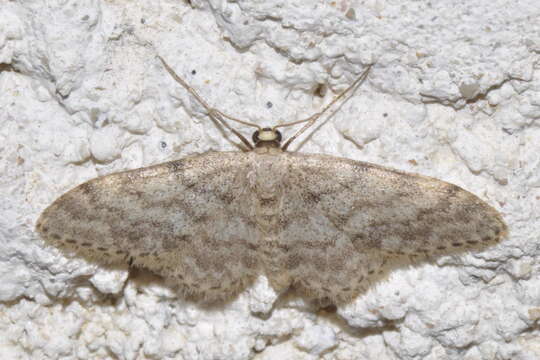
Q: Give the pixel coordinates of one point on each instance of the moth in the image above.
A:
(211, 223)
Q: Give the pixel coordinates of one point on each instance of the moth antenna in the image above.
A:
(213, 113)
(313, 118)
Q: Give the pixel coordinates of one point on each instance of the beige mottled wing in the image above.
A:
(343, 220)
(182, 219)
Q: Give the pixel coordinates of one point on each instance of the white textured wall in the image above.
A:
(81, 95)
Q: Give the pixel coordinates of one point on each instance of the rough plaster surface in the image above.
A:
(454, 94)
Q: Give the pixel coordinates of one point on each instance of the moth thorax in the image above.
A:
(267, 137)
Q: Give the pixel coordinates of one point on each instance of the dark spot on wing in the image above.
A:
(312, 197)
(251, 246)
(226, 197)
(175, 166)
(452, 189)
(87, 188)
(283, 247)
(183, 238)
(270, 202)
(293, 261)
(203, 218)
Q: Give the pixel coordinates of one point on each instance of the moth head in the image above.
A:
(267, 137)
